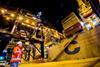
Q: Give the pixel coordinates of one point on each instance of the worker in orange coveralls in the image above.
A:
(16, 55)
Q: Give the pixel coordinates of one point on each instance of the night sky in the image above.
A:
(53, 10)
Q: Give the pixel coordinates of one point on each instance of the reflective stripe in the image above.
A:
(19, 51)
(16, 59)
(18, 56)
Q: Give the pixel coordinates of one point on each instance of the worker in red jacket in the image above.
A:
(16, 55)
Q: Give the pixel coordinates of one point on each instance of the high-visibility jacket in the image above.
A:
(16, 54)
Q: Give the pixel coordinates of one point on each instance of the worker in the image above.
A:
(16, 54)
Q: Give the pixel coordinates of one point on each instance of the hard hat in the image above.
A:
(19, 43)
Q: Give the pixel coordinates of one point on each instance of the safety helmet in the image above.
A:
(19, 43)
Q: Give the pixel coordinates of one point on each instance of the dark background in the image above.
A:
(53, 11)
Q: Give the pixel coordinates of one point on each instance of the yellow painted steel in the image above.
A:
(55, 51)
(89, 46)
(89, 62)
